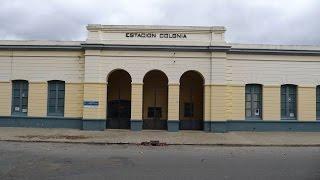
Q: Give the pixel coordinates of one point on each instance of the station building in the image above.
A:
(159, 77)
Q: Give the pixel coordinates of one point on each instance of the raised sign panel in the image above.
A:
(156, 35)
(90, 104)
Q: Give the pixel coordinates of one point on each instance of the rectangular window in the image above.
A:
(288, 102)
(253, 101)
(19, 97)
(56, 94)
(188, 109)
(154, 112)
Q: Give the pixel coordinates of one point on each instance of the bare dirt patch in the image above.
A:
(42, 137)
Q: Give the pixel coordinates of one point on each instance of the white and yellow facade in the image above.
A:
(155, 60)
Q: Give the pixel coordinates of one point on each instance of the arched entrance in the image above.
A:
(155, 100)
(119, 100)
(191, 101)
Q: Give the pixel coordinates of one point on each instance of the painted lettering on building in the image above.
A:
(156, 35)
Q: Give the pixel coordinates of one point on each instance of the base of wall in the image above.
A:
(155, 124)
(136, 125)
(191, 124)
(40, 122)
(173, 125)
(207, 126)
(264, 125)
(219, 127)
(118, 123)
(93, 124)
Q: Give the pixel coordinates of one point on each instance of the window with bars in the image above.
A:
(20, 97)
(56, 96)
(253, 101)
(318, 102)
(154, 112)
(288, 102)
(188, 109)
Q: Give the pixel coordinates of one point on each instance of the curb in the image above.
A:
(166, 144)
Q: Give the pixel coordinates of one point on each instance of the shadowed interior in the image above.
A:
(191, 101)
(119, 100)
(155, 100)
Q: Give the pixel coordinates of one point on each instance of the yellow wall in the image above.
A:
(173, 102)
(219, 102)
(207, 103)
(218, 110)
(95, 92)
(73, 100)
(5, 98)
(136, 101)
(37, 99)
(238, 102)
(271, 103)
(306, 103)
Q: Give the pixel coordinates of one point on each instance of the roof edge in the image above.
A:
(154, 27)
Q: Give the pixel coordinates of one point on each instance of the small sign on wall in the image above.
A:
(291, 114)
(90, 104)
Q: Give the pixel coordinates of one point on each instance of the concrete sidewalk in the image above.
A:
(171, 138)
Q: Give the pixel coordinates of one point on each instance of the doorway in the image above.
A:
(119, 100)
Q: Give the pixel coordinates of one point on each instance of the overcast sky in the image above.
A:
(247, 21)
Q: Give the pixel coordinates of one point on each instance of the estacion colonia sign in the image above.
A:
(156, 35)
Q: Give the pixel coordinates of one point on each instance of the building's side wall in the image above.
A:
(95, 92)
(219, 102)
(275, 69)
(73, 100)
(37, 100)
(173, 102)
(225, 76)
(207, 103)
(271, 103)
(137, 63)
(136, 102)
(306, 103)
(272, 71)
(237, 102)
(42, 66)
(5, 98)
(39, 67)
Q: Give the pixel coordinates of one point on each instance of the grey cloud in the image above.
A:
(272, 22)
(288, 22)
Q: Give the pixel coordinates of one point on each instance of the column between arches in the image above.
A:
(173, 107)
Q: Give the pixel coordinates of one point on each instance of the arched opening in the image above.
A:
(191, 101)
(119, 100)
(155, 100)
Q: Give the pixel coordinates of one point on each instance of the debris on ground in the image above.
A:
(153, 143)
(71, 137)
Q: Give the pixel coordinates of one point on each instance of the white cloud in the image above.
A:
(259, 21)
